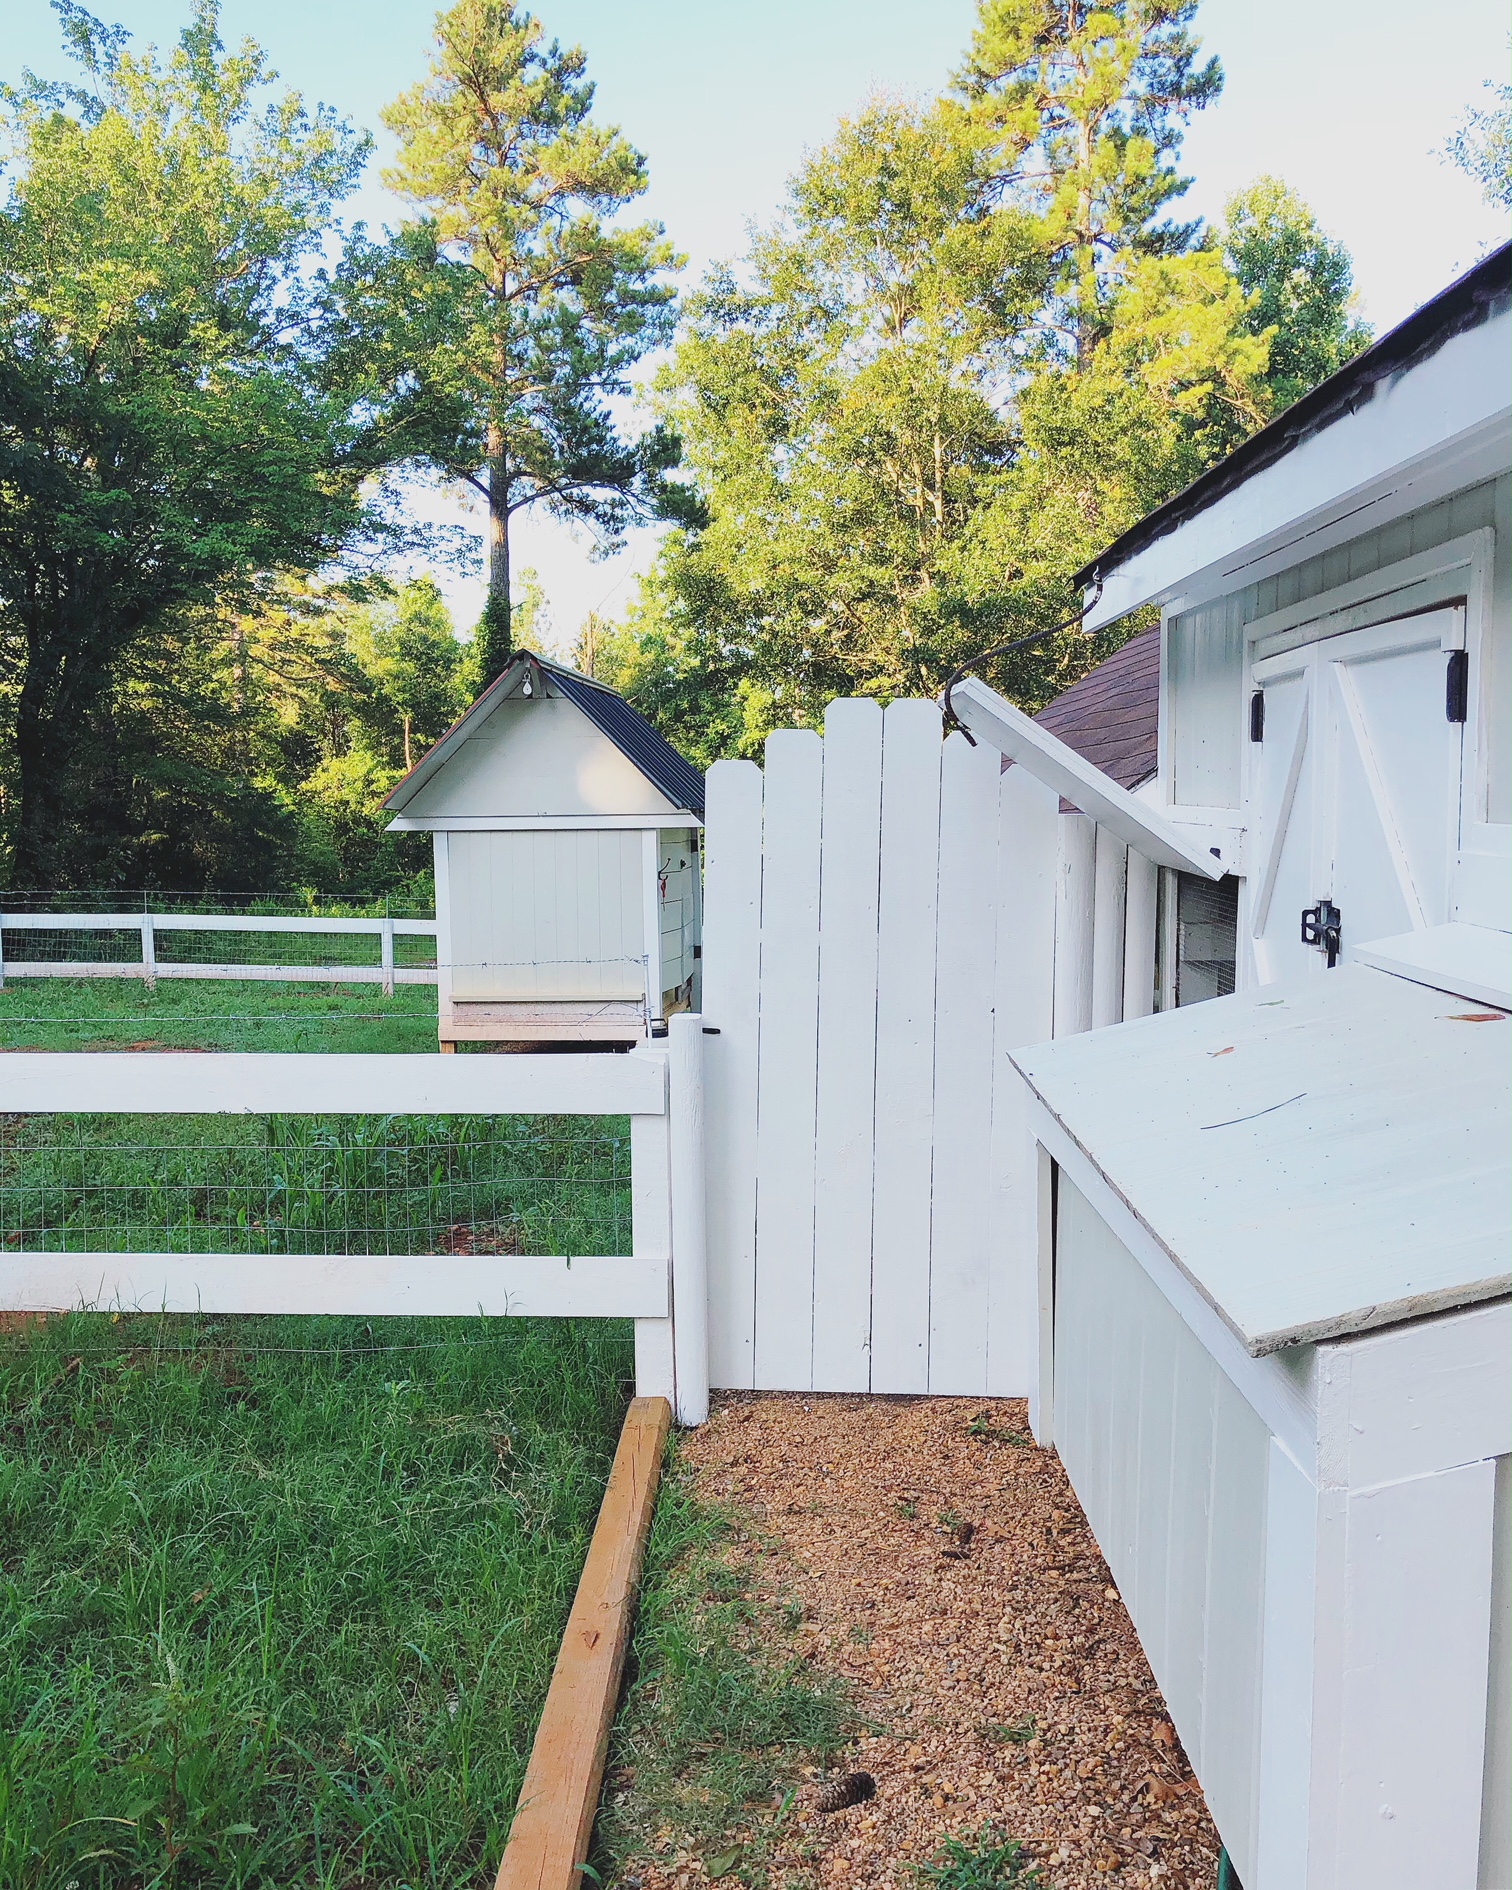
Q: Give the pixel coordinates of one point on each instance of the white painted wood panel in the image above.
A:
(1023, 1013)
(1141, 894)
(1286, 1687)
(788, 1081)
(961, 1224)
(651, 1233)
(547, 915)
(732, 986)
(907, 913)
(1496, 1794)
(1170, 1465)
(445, 1286)
(850, 871)
(1075, 895)
(1110, 872)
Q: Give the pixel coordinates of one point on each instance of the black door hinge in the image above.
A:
(1257, 716)
(1457, 686)
(1323, 928)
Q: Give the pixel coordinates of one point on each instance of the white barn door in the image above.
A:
(1354, 790)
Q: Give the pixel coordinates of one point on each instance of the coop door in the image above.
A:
(547, 915)
(1353, 792)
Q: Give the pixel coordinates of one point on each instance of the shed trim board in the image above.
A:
(993, 719)
(1438, 422)
(1320, 1095)
(540, 823)
(1469, 961)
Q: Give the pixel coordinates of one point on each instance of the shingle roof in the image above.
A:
(634, 737)
(609, 712)
(1477, 296)
(1110, 716)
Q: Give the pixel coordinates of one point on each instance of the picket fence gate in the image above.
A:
(879, 933)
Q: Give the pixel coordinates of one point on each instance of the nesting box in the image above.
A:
(568, 884)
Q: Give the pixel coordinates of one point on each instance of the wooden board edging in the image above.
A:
(553, 1822)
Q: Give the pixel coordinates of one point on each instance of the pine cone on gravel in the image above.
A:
(853, 1789)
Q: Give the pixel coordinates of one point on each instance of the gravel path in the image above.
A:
(946, 1570)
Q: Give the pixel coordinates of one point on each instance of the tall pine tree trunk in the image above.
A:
(494, 628)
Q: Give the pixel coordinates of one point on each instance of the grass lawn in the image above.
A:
(279, 1598)
(190, 1014)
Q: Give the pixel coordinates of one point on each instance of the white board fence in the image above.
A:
(660, 1284)
(879, 932)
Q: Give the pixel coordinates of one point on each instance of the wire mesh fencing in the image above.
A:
(330, 1185)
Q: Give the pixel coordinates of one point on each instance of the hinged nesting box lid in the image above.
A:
(541, 742)
(1318, 1157)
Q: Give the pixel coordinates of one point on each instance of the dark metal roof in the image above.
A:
(1475, 298)
(634, 737)
(1111, 717)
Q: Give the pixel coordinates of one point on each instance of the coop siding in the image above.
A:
(554, 914)
(1170, 1464)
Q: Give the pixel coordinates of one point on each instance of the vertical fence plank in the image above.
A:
(149, 951)
(1109, 873)
(690, 1269)
(1074, 893)
(786, 1095)
(731, 985)
(907, 907)
(441, 857)
(1139, 936)
(850, 867)
(1023, 1013)
(960, 1233)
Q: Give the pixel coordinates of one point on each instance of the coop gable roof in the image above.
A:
(1319, 1157)
(529, 677)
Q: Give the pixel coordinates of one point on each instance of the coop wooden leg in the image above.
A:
(447, 1047)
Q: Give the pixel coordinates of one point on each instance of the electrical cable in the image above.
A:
(952, 720)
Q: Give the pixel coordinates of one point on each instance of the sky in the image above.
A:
(1348, 100)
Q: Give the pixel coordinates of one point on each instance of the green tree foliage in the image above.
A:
(163, 438)
(1301, 287)
(974, 350)
(497, 327)
(1086, 105)
(412, 662)
(1481, 145)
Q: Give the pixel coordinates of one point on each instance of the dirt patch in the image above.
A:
(945, 1570)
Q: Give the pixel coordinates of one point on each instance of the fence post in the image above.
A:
(386, 955)
(149, 952)
(2, 952)
(651, 1235)
(690, 1268)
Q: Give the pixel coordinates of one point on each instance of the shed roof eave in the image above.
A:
(1386, 441)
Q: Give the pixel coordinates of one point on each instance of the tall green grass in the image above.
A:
(279, 1598)
(213, 1014)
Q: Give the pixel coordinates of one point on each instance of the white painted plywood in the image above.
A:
(1472, 961)
(960, 1250)
(1318, 1157)
(787, 1085)
(1496, 1793)
(907, 910)
(732, 985)
(547, 915)
(850, 869)
(1170, 1465)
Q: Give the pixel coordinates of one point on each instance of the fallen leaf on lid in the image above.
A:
(1477, 1017)
(1226, 1051)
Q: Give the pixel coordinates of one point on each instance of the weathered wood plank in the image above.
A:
(553, 1822)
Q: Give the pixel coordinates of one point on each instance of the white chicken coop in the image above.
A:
(568, 885)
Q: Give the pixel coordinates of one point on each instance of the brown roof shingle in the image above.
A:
(1110, 716)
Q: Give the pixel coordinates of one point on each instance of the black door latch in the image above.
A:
(1323, 928)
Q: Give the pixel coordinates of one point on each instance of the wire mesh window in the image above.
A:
(315, 1184)
(1205, 943)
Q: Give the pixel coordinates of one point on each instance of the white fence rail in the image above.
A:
(660, 1284)
(151, 924)
(879, 933)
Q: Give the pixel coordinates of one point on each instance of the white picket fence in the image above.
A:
(879, 933)
(151, 924)
(660, 1284)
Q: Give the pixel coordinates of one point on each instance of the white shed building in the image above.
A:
(568, 883)
(1273, 1228)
